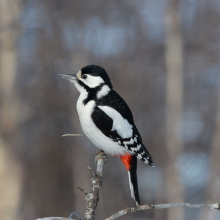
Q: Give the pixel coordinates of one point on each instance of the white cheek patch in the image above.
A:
(103, 92)
(121, 125)
(92, 81)
(78, 86)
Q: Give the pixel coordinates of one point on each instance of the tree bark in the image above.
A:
(174, 96)
(10, 169)
(212, 186)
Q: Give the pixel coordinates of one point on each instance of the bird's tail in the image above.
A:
(130, 163)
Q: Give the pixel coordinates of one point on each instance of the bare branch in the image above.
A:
(161, 206)
(82, 190)
(150, 207)
(74, 135)
(54, 218)
(91, 171)
(92, 198)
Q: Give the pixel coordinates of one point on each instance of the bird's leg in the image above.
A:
(101, 155)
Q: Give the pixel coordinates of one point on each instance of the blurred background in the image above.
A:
(162, 57)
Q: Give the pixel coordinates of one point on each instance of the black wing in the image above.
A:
(114, 100)
(134, 143)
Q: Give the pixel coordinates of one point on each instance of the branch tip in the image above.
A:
(216, 206)
(82, 190)
(92, 172)
(74, 135)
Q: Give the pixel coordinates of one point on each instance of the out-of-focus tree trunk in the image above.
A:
(212, 192)
(10, 170)
(174, 96)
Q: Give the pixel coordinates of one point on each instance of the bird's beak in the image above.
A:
(68, 76)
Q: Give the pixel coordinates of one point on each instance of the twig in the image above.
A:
(162, 206)
(91, 171)
(82, 190)
(54, 218)
(74, 213)
(74, 135)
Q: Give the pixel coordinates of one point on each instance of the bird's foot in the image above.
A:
(101, 155)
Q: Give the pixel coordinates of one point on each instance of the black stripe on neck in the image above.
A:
(92, 92)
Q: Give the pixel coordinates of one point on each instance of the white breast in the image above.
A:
(93, 133)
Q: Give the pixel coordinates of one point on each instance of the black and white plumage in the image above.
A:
(108, 122)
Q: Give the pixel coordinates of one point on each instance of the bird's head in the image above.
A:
(89, 78)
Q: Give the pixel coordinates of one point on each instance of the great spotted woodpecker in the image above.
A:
(108, 122)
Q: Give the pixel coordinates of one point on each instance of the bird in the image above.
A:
(108, 122)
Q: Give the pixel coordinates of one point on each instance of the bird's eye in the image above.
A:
(84, 76)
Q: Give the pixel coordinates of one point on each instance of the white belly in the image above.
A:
(93, 133)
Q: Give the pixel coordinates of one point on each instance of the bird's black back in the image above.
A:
(114, 100)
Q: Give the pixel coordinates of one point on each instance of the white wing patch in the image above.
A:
(121, 125)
